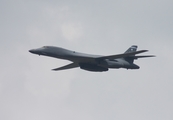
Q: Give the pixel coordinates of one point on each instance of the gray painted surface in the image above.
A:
(89, 62)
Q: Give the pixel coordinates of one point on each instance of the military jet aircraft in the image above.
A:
(95, 63)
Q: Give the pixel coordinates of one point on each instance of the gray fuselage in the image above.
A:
(84, 60)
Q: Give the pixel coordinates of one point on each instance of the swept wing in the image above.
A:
(92, 59)
(69, 66)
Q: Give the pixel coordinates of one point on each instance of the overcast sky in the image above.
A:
(29, 90)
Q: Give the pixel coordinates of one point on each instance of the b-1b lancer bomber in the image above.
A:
(95, 63)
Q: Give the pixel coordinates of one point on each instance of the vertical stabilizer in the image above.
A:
(133, 48)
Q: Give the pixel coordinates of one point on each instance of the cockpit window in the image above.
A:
(45, 46)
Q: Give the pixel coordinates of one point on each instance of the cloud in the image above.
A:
(30, 90)
(55, 85)
(72, 31)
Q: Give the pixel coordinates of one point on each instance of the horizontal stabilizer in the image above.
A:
(69, 66)
(145, 56)
(122, 55)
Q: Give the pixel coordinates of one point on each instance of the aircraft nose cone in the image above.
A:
(33, 51)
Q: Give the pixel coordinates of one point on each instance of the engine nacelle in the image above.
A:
(92, 67)
(133, 66)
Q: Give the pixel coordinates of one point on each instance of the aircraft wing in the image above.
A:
(69, 66)
(92, 59)
(121, 55)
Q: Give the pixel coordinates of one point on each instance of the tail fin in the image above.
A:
(133, 48)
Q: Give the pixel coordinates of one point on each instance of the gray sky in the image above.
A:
(29, 90)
